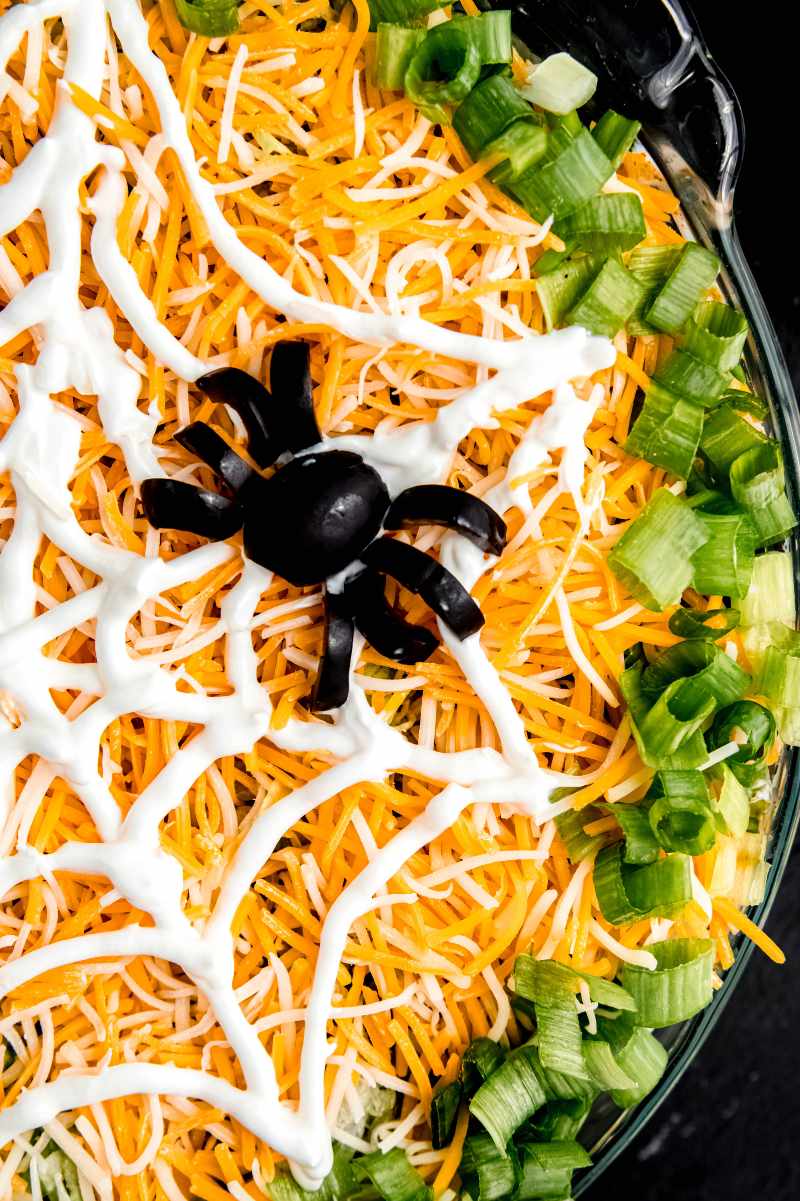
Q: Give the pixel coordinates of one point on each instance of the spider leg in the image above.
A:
(274, 424)
(206, 444)
(251, 400)
(437, 586)
(383, 627)
(290, 380)
(438, 504)
(332, 685)
(175, 505)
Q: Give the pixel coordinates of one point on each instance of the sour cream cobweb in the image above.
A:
(77, 351)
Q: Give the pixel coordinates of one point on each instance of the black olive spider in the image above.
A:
(319, 513)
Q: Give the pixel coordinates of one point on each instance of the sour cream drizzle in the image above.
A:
(77, 350)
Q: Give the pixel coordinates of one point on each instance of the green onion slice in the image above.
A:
(603, 1067)
(491, 33)
(487, 112)
(704, 665)
(641, 844)
(638, 1053)
(559, 1031)
(209, 18)
(396, 45)
(522, 145)
(579, 845)
(730, 802)
(608, 301)
(757, 483)
(668, 733)
(560, 84)
(615, 135)
(653, 556)
(510, 1096)
(694, 623)
(726, 436)
(680, 812)
(559, 1121)
(392, 1175)
(693, 273)
(687, 376)
(443, 71)
(481, 1060)
(752, 726)
(402, 12)
(486, 1172)
(770, 597)
(723, 566)
(667, 431)
(716, 334)
(444, 1112)
(626, 894)
(528, 976)
(606, 223)
(561, 287)
(679, 987)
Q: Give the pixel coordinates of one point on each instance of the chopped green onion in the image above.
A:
(770, 596)
(757, 483)
(547, 1170)
(401, 12)
(726, 436)
(522, 145)
(568, 124)
(667, 431)
(694, 623)
(638, 1053)
(608, 301)
(486, 1172)
(603, 1067)
(779, 680)
(685, 747)
(491, 33)
(209, 18)
(487, 112)
(680, 812)
(481, 1060)
(723, 566)
(626, 894)
(560, 288)
(608, 222)
(510, 1096)
(396, 45)
(653, 556)
(641, 844)
(716, 334)
(604, 992)
(694, 272)
(704, 665)
(615, 135)
(579, 845)
(563, 185)
(651, 265)
(392, 1175)
(558, 1027)
(684, 375)
(559, 1121)
(731, 803)
(560, 84)
(444, 1112)
(752, 726)
(58, 1176)
(679, 987)
(443, 71)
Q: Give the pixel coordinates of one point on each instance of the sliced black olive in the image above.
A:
(251, 400)
(332, 684)
(290, 381)
(437, 504)
(315, 516)
(175, 505)
(437, 586)
(206, 444)
(383, 627)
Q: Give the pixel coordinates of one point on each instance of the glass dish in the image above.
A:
(653, 64)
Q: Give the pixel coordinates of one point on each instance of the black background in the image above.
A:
(731, 1128)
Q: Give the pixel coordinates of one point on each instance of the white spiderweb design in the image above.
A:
(41, 449)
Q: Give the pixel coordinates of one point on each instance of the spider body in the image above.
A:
(319, 513)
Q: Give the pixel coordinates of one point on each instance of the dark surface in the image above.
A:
(731, 1128)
